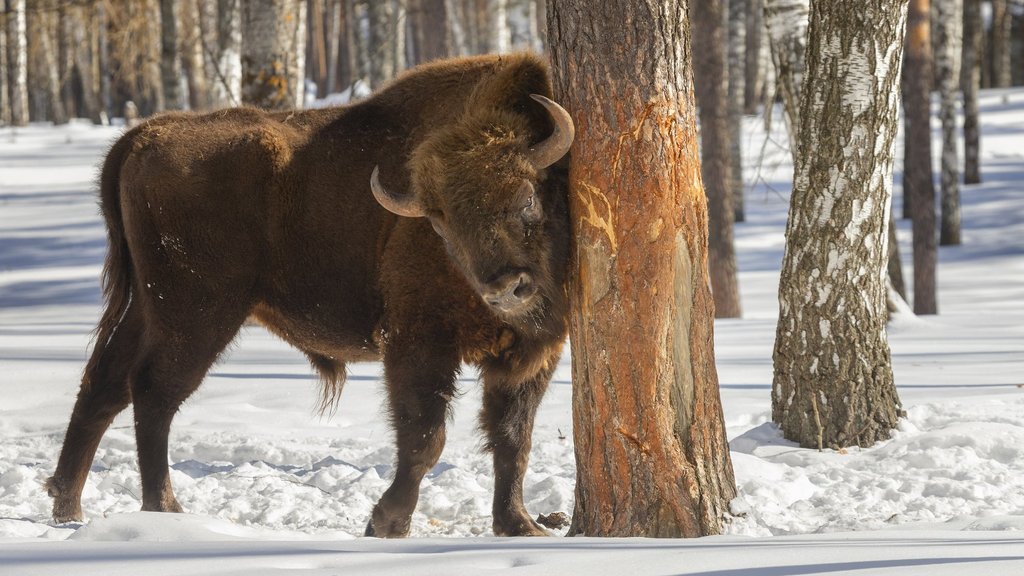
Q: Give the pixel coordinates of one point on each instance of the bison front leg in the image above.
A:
(421, 383)
(507, 418)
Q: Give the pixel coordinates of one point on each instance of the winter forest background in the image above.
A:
(926, 481)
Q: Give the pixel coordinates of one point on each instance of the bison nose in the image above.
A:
(510, 291)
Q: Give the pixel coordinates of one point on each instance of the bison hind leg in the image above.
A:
(332, 381)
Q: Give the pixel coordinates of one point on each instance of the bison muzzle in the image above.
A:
(425, 226)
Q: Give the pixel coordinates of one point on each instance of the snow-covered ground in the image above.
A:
(270, 486)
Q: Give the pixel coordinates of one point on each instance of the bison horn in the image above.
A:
(406, 205)
(549, 151)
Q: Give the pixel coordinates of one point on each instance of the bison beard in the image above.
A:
(425, 226)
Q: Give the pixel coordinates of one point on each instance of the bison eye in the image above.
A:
(530, 206)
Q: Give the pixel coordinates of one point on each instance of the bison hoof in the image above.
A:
(518, 527)
(380, 526)
(65, 508)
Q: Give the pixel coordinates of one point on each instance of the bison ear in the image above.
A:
(404, 205)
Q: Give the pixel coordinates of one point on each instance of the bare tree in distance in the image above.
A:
(170, 62)
(711, 86)
(272, 62)
(971, 80)
(948, 21)
(737, 89)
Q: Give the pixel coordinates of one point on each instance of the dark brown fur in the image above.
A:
(241, 213)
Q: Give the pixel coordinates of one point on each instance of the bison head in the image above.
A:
(481, 183)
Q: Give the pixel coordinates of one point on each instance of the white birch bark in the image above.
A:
(227, 84)
(455, 13)
(499, 38)
(833, 383)
(947, 22)
(273, 58)
(5, 107)
(17, 62)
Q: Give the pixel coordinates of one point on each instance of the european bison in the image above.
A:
(424, 226)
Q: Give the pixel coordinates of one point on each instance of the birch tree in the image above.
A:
(17, 61)
(711, 86)
(948, 20)
(971, 79)
(651, 452)
(273, 67)
(786, 22)
(5, 107)
(227, 86)
(918, 187)
(833, 383)
(737, 89)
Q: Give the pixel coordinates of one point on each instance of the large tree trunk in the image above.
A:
(17, 61)
(1002, 21)
(786, 22)
(833, 384)
(273, 37)
(651, 452)
(948, 20)
(918, 187)
(737, 84)
(712, 99)
(971, 79)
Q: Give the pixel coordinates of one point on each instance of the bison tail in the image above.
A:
(117, 268)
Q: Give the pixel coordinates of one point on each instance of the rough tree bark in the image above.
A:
(17, 61)
(272, 55)
(786, 22)
(948, 21)
(971, 79)
(651, 453)
(918, 187)
(710, 84)
(833, 384)
(737, 18)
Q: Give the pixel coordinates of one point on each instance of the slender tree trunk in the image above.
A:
(78, 21)
(272, 56)
(918, 186)
(42, 26)
(971, 79)
(737, 78)
(709, 47)
(380, 45)
(17, 61)
(754, 81)
(895, 264)
(106, 104)
(1002, 21)
(833, 384)
(455, 10)
(431, 25)
(170, 63)
(396, 31)
(355, 48)
(5, 105)
(786, 22)
(192, 56)
(948, 21)
(227, 89)
(651, 452)
(499, 38)
(334, 35)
